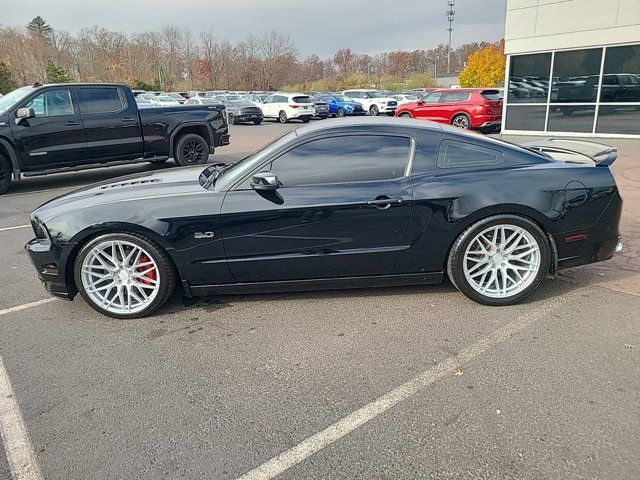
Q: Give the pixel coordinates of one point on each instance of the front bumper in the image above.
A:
(46, 263)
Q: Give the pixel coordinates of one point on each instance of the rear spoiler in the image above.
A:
(576, 151)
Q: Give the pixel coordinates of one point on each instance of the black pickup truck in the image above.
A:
(68, 127)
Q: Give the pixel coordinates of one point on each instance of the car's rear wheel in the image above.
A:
(282, 117)
(305, 119)
(341, 112)
(374, 110)
(191, 149)
(5, 175)
(499, 260)
(124, 275)
(405, 115)
(461, 120)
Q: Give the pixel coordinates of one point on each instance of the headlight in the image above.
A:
(39, 229)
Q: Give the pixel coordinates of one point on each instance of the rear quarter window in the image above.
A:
(492, 94)
(303, 99)
(457, 154)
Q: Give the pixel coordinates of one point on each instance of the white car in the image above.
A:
(287, 106)
(167, 101)
(404, 98)
(373, 102)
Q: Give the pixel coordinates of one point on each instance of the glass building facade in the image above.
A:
(583, 91)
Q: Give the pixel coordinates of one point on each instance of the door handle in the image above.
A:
(72, 124)
(128, 119)
(383, 202)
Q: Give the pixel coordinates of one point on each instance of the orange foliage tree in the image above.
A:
(485, 68)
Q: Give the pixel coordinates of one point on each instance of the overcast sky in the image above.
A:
(315, 26)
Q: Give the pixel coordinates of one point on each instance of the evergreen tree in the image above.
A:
(40, 27)
(56, 74)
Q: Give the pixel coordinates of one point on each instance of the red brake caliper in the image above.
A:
(153, 275)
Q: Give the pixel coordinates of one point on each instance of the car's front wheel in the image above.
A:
(374, 110)
(341, 112)
(232, 119)
(499, 260)
(405, 115)
(124, 275)
(191, 149)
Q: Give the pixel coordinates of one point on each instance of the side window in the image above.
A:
(351, 158)
(433, 97)
(455, 154)
(268, 99)
(52, 103)
(450, 97)
(100, 99)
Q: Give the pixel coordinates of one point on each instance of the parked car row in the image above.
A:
(476, 108)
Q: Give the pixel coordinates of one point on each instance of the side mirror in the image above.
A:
(421, 101)
(24, 114)
(334, 102)
(265, 181)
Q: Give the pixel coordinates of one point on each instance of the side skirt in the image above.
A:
(319, 284)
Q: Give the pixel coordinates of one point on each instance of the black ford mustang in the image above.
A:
(363, 202)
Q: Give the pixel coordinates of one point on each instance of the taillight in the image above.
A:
(294, 106)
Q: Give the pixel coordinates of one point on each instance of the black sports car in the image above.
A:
(355, 203)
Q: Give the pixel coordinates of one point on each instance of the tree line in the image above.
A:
(174, 59)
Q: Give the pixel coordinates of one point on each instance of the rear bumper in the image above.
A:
(249, 117)
(50, 273)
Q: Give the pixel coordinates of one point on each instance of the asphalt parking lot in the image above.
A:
(395, 383)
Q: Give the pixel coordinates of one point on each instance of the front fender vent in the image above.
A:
(129, 184)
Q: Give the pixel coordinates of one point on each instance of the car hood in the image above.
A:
(241, 103)
(149, 185)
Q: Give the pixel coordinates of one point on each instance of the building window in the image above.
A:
(587, 94)
(529, 78)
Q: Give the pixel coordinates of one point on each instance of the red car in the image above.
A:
(473, 108)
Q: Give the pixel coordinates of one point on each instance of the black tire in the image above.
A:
(374, 111)
(341, 112)
(405, 115)
(5, 175)
(282, 117)
(305, 119)
(455, 261)
(232, 119)
(257, 122)
(568, 111)
(461, 120)
(191, 149)
(167, 274)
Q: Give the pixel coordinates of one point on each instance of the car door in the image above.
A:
(55, 136)
(427, 110)
(267, 107)
(341, 211)
(112, 126)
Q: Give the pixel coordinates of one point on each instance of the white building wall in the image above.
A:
(541, 25)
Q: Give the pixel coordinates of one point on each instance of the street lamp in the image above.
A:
(450, 14)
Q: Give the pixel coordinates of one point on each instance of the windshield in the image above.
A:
(11, 98)
(238, 170)
(233, 97)
(175, 95)
(374, 94)
(344, 98)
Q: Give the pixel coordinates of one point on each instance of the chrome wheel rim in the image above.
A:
(283, 117)
(193, 151)
(120, 277)
(502, 261)
(461, 122)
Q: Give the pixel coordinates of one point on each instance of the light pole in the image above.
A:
(450, 14)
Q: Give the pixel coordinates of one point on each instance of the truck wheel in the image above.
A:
(5, 175)
(191, 149)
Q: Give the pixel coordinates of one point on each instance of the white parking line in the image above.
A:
(24, 306)
(14, 228)
(348, 424)
(16, 441)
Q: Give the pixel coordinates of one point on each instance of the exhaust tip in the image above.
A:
(619, 247)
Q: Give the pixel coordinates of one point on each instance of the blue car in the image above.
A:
(340, 105)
